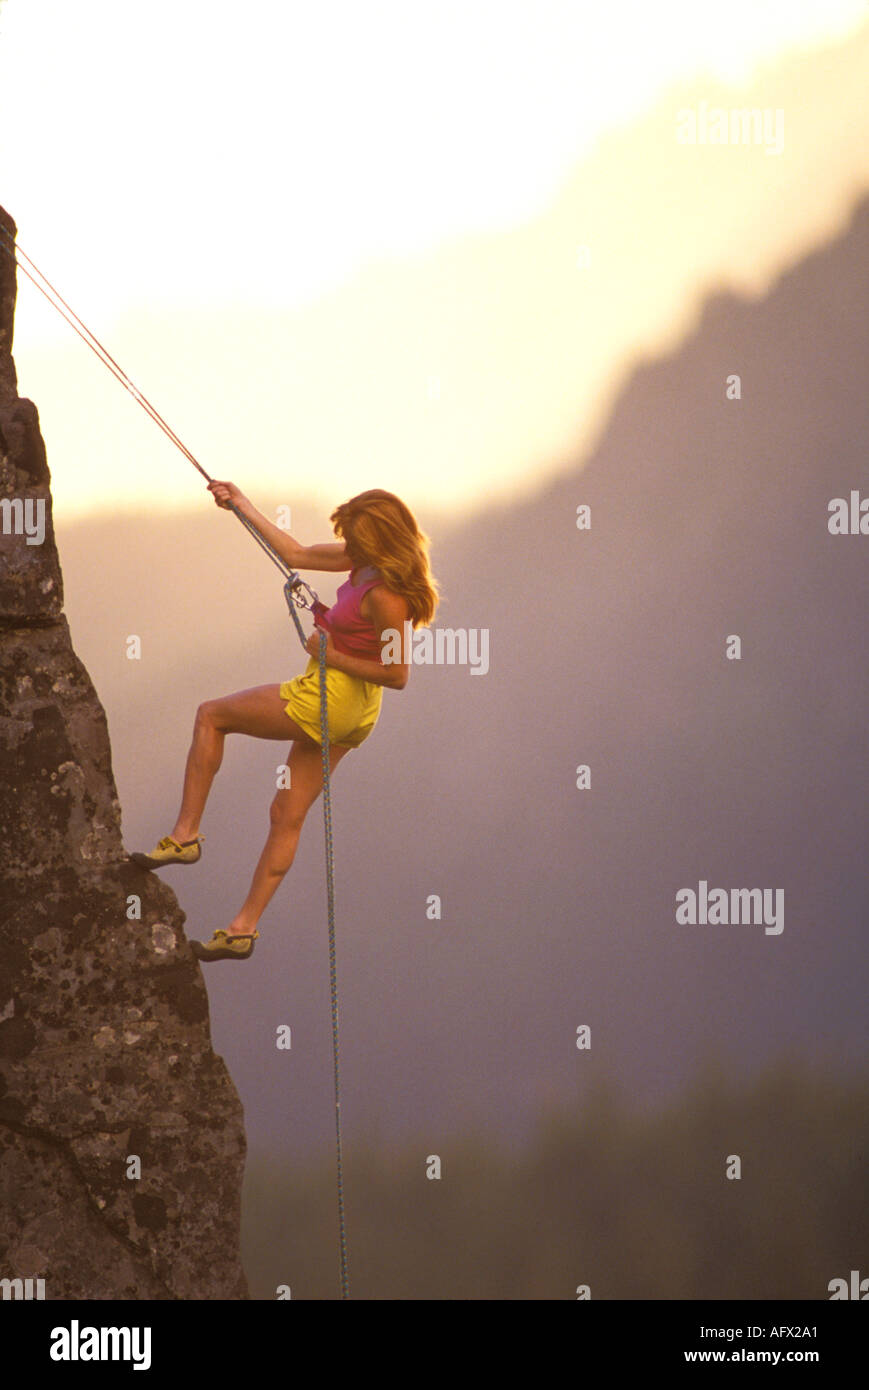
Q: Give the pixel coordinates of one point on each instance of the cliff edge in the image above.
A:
(121, 1134)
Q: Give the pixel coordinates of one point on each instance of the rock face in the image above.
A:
(105, 1051)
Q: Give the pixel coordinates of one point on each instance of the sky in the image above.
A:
(180, 169)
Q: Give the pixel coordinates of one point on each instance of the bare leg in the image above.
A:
(258, 712)
(288, 811)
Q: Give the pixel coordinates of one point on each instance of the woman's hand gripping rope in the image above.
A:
(225, 494)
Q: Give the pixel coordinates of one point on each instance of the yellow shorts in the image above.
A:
(353, 704)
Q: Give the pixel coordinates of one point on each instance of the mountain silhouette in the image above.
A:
(607, 648)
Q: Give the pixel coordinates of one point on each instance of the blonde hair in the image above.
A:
(379, 529)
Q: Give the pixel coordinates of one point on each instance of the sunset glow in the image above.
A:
(330, 263)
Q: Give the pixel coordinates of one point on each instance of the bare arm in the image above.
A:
(328, 555)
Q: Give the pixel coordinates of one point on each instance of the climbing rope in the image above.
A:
(298, 594)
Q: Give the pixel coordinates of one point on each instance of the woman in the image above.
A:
(390, 582)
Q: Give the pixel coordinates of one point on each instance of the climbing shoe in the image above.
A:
(171, 851)
(222, 946)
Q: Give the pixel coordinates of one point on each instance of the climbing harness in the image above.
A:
(298, 594)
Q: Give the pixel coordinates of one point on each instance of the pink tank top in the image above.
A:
(352, 633)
